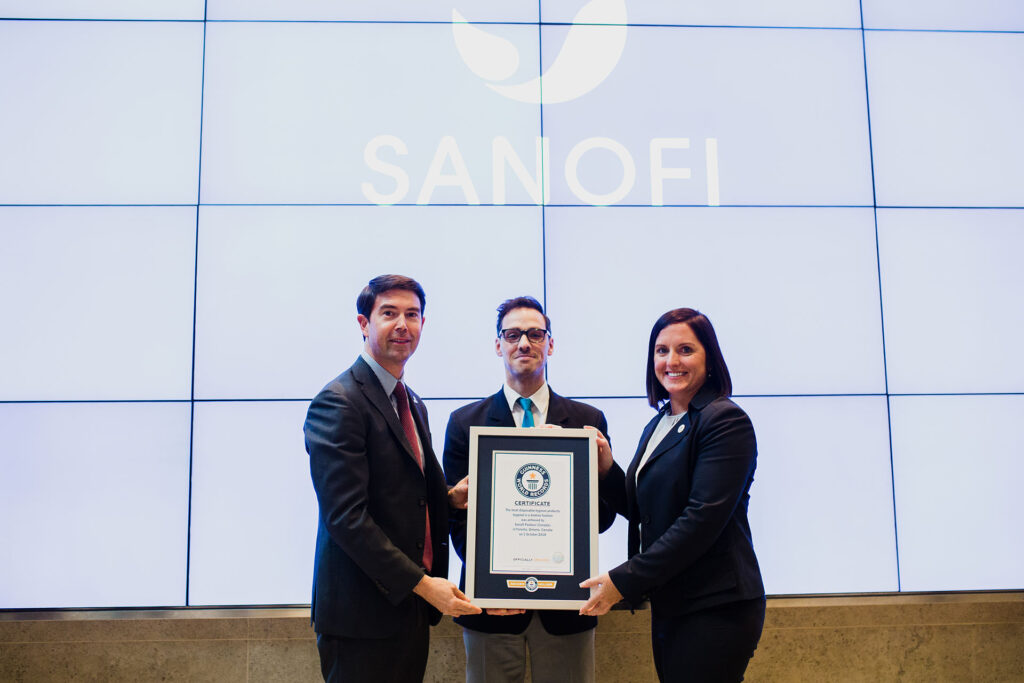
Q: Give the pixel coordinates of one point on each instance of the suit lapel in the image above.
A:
(641, 447)
(419, 415)
(673, 439)
(680, 433)
(498, 413)
(557, 409)
(375, 396)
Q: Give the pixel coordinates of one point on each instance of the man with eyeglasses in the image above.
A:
(560, 642)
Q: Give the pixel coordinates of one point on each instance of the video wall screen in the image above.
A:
(192, 195)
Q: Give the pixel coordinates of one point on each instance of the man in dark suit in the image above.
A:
(561, 643)
(381, 548)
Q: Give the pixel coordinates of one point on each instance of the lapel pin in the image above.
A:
(681, 428)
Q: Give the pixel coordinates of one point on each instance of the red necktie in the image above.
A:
(409, 427)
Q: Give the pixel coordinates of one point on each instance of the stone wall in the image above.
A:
(937, 637)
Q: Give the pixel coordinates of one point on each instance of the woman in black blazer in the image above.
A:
(685, 495)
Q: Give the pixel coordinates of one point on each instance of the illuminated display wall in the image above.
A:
(192, 195)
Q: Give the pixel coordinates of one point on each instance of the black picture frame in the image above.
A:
(494, 584)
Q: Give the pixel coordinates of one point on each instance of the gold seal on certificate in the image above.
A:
(532, 521)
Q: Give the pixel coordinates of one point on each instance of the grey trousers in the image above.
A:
(501, 657)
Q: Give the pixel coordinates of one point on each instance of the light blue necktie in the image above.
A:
(527, 414)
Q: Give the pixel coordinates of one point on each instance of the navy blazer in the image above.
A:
(493, 411)
(690, 545)
(371, 495)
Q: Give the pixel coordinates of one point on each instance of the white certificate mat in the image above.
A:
(531, 502)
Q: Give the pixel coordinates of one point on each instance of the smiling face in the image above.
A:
(680, 364)
(524, 360)
(392, 331)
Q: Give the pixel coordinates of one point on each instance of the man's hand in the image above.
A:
(445, 596)
(603, 594)
(604, 453)
(458, 495)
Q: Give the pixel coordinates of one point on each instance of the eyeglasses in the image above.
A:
(512, 335)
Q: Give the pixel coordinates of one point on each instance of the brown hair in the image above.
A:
(521, 302)
(718, 377)
(384, 283)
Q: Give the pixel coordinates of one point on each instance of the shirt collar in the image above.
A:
(540, 398)
(386, 379)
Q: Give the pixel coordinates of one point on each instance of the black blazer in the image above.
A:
(688, 512)
(371, 495)
(493, 411)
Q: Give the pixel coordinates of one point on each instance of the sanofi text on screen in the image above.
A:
(192, 194)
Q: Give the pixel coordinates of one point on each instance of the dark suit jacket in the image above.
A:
(689, 512)
(371, 494)
(494, 412)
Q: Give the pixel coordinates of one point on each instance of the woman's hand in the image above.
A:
(603, 594)
(604, 453)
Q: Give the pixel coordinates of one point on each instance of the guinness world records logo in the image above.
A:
(532, 480)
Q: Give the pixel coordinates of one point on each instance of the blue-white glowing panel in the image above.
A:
(707, 116)
(253, 507)
(957, 474)
(952, 284)
(103, 9)
(276, 313)
(97, 302)
(793, 294)
(377, 10)
(839, 13)
(952, 15)
(821, 507)
(100, 112)
(945, 118)
(93, 504)
(366, 114)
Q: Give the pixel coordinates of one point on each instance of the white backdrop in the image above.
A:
(192, 195)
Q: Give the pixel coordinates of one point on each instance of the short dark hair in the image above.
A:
(718, 378)
(521, 302)
(384, 283)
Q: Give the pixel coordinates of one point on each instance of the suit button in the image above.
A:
(419, 545)
(646, 519)
(423, 502)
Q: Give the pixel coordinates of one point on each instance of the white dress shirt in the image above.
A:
(539, 407)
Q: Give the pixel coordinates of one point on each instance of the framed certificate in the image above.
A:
(531, 534)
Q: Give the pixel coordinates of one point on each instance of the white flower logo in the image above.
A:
(589, 55)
